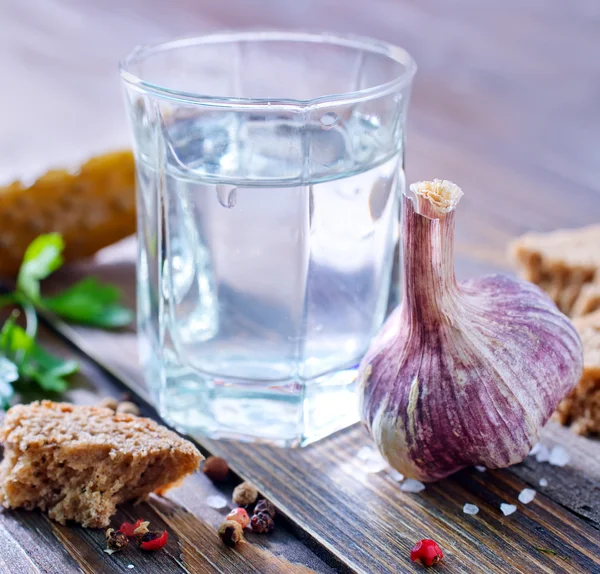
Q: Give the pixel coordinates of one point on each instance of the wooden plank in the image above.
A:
(33, 534)
(369, 524)
(13, 556)
(193, 546)
(577, 486)
(345, 506)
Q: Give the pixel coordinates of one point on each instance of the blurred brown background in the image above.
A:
(506, 100)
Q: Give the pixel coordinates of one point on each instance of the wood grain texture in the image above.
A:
(367, 522)
(14, 555)
(345, 505)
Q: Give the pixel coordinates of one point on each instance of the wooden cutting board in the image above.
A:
(364, 521)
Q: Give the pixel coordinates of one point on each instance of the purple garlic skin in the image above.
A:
(467, 373)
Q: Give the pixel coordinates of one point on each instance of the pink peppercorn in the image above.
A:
(427, 552)
(240, 516)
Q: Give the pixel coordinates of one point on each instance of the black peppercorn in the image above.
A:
(262, 523)
(265, 506)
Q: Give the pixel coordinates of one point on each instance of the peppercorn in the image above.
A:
(244, 494)
(109, 403)
(239, 515)
(153, 540)
(262, 523)
(128, 408)
(427, 552)
(216, 468)
(115, 540)
(231, 533)
(128, 528)
(263, 505)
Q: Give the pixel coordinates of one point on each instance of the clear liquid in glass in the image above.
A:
(261, 282)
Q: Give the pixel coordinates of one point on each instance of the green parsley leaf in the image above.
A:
(89, 302)
(42, 257)
(34, 363)
(14, 340)
(92, 303)
(48, 365)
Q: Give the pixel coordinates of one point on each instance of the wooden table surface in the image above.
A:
(505, 104)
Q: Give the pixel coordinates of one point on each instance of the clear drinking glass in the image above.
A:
(269, 166)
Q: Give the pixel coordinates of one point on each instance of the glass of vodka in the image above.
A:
(269, 166)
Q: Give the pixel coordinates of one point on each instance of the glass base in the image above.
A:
(285, 413)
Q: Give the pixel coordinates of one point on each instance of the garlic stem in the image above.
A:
(428, 249)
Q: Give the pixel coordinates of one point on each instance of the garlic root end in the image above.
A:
(436, 197)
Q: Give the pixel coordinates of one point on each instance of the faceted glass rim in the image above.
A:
(365, 44)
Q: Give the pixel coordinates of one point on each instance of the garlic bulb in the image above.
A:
(464, 373)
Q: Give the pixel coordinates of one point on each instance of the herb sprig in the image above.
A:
(88, 302)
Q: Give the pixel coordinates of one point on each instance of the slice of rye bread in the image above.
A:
(563, 262)
(78, 462)
(588, 299)
(581, 408)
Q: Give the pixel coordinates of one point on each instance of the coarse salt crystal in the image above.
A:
(372, 461)
(365, 453)
(412, 485)
(543, 453)
(217, 502)
(543, 482)
(470, 509)
(526, 495)
(559, 456)
(374, 465)
(395, 475)
(507, 509)
(480, 468)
